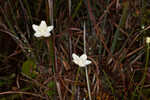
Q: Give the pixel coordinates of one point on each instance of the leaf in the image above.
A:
(2, 83)
(3, 98)
(50, 93)
(52, 86)
(29, 67)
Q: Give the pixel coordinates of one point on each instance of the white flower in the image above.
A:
(81, 61)
(147, 39)
(42, 30)
(142, 26)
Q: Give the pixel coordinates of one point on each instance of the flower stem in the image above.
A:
(88, 85)
(86, 70)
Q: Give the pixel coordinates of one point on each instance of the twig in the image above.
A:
(21, 92)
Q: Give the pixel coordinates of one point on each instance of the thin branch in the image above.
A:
(21, 92)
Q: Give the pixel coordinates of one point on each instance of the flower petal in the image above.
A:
(81, 61)
(43, 24)
(75, 57)
(82, 65)
(35, 27)
(50, 28)
(76, 62)
(37, 34)
(83, 57)
(147, 39)
(46, 34)
(88, 62)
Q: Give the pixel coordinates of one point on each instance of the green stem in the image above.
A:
(143, 78)
(110, 84)
(77, 9)
(145, 71)
(121, 23)
(73, 92)
(51, 51)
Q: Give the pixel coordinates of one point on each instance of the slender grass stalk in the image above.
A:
(121, 23)
(51, 49)
(50, 3)
(109, 83)
(51, 52)
(144, 76)
(73, 92)
(86, 70)
(103, 31)
(25, 14)
(70, 48)
(8, 21)
(12, 12)
(77, 9)
(143, 12)
(69, 3)
(143, 21)
(126, 42)
(28, 10)
(70, 34)
(145, 70)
